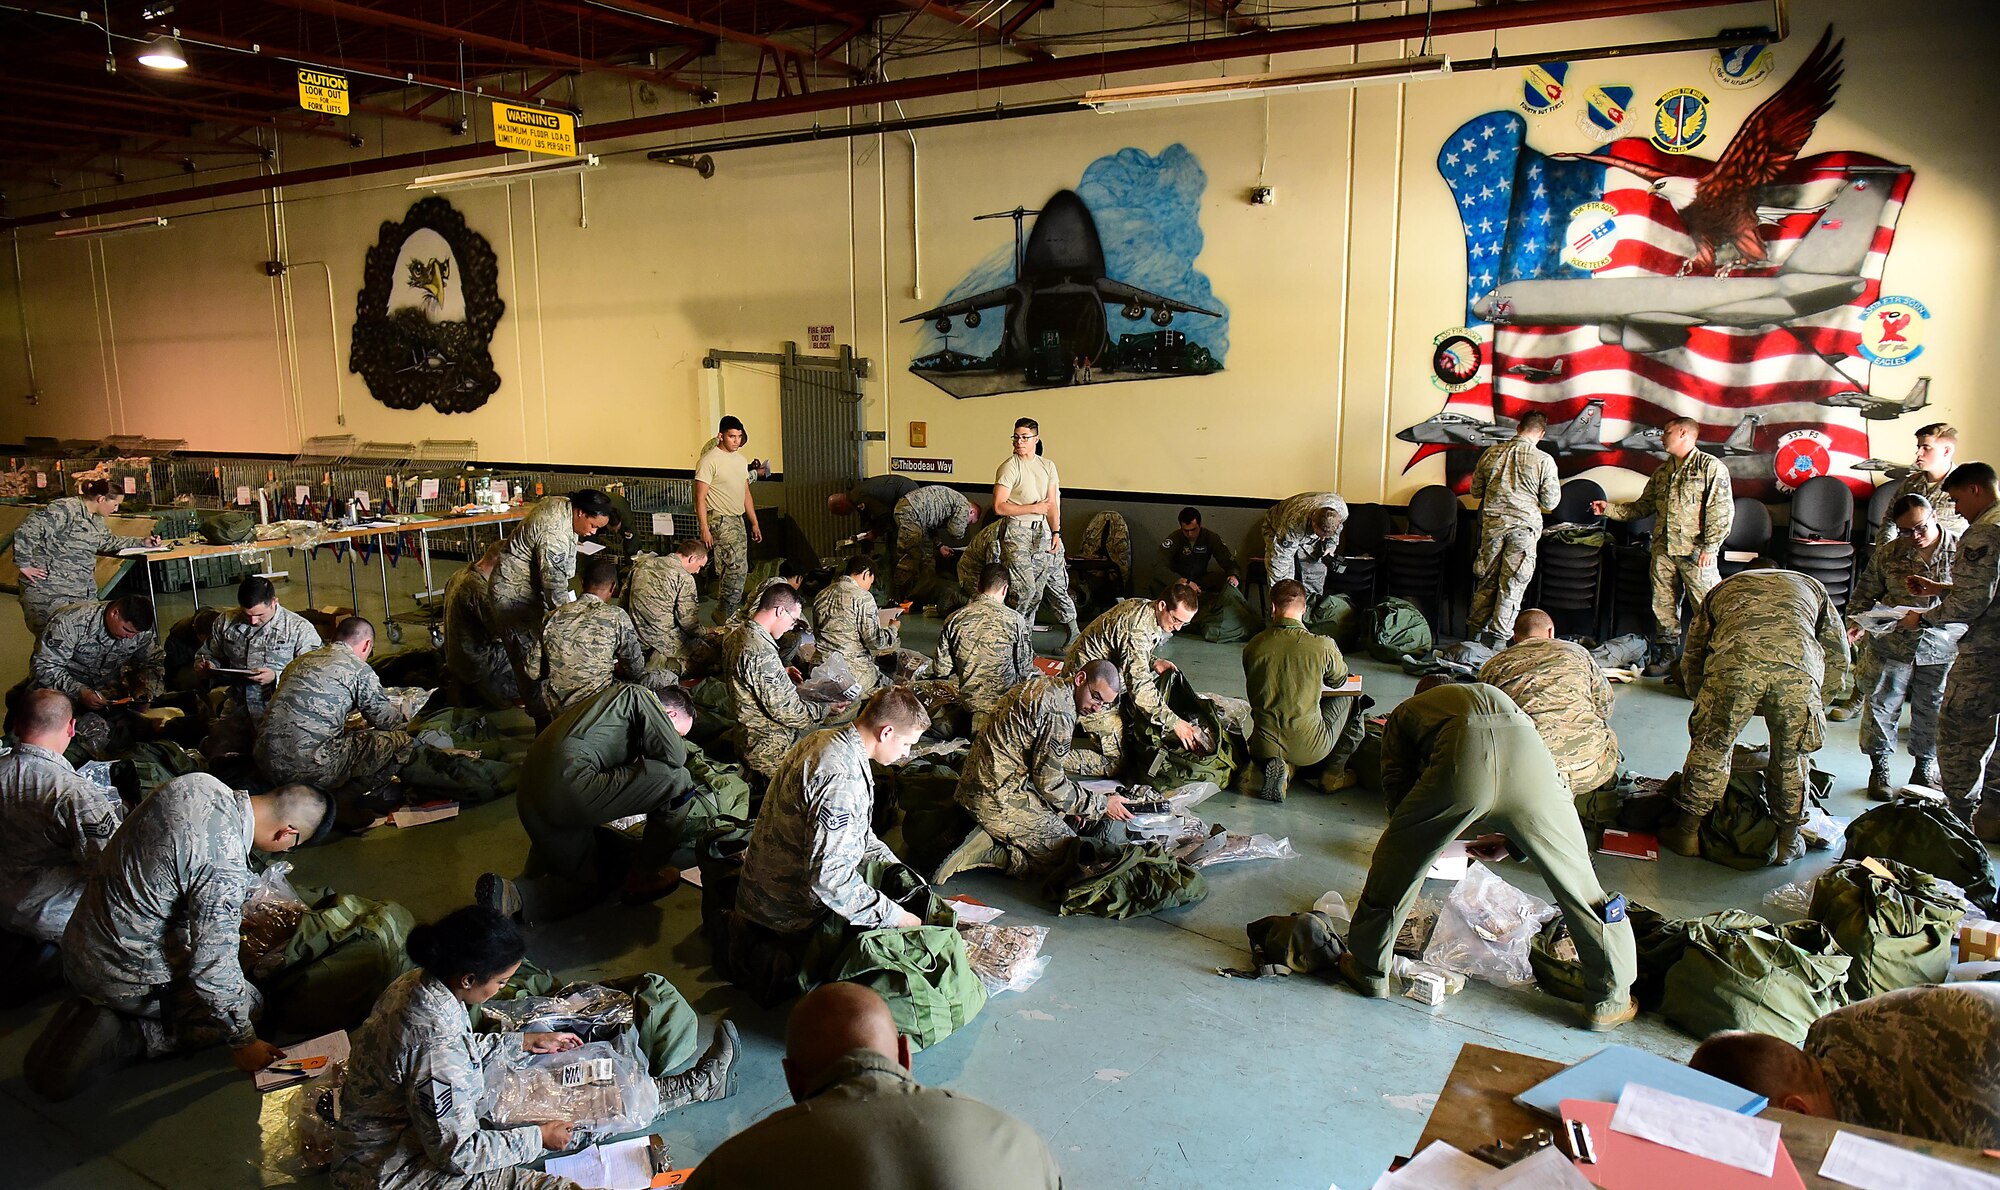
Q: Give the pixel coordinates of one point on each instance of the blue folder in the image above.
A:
(1602, 1077)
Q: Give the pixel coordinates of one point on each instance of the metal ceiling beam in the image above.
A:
(139, 101)
(41, 119)
(854, 25)
(1022, 17)
(199, 79)
(1226, 10)
(342, 10)
(1482, 19)
(980, 30)
(667, 16)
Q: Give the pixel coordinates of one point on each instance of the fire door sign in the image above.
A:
(820, 337)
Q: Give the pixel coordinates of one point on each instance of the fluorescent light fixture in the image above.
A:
(112, 229)
(164, 53)
(1395, 70)
(506, 175)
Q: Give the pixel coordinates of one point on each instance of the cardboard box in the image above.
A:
(1978, 940)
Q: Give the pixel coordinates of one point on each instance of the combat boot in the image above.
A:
(1880, 787)
(1925, 773)
(1681, 834)
(980, 850)
(1375, 987)
(1277, 779)
(1602, 1018)
(713, 1077)
(1791, 847)
(1660, 661)
(496, 892)
(82, 1043)
(1842, 711)
(1985, 820)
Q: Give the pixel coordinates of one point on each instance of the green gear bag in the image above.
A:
(1333, 614)
(1305, 943)
(1118, 880)
(721, 793)
(1740, 832)
(145, 767)
(1167, 764)
(1924, 835)
(1767, 979)
(924, 974)
(669, 1028)
(411, 667)
(1898, 928)
(1659, 940)
(1226, 617)
(719, 857)
(933, 822)
(346, 950)
(228, 528)
(1396, 628)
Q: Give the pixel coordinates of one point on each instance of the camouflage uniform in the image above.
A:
(984, 646)
(1692, 499)
(1764, 642)
(875, 500)
(530, 580)
(77, 653)
(305, 736)
(409, 1110)
(1905, 667)
(1558, 685)
(931, 511)
(155, 935)
(666, 610)
(730, 556)
(811, 839)
(235, 643)
(1127, 636)
(1922, 1062)
(1459, 754)
(53, 826)
(850, 626)
(1016, 784)
(1916, 483)
(1034, 568)
(475, 648)
(768, 705)
(64, 539)
(1515, 483)
(983, 552)
(588, 644)
(1292, 547)
(1969, 720)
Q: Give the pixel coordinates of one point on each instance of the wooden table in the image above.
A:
(1477, 1107)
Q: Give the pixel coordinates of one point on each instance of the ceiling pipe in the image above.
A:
(1483, 19)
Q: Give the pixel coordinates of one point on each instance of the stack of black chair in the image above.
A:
(1749, 533)
(1360, 554)
(1416, 569)
(1569, 577)
(1821, 542)
(1878, 511)
(1632, 577)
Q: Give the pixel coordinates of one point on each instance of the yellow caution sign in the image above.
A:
(323, 92)
(534, 130)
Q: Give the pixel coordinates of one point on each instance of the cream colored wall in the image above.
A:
(1334, 292)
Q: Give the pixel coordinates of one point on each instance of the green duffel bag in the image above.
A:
(926, 790)
(923, 973)
(1767, 979)
(1659, 940)
(1740, 832)
(1925, 836)
(346, 950)
(719, 857)
(145, 767)
(1226, 617)
(1396, 628)
(721, 792)
(1169, 766)
(669, 1027)
(1305, 943)
(1118, 880)
(1897, 927)
(1333, 614)
(228, 528)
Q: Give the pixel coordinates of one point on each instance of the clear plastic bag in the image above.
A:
(295, 1127)
(589, 1010)
(271, 914)
(409, 700)
(1334, 906)
(1005, 958)
(1234, 713)
(1242, 847)
(1794, 898)
(1821, 830)
(1193, 794)
(832, 681)
(604, 1087)
(1485, 928)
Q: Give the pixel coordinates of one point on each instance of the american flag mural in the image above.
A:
(1636, 356)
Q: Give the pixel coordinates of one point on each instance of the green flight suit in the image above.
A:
(613, 755)
(1284, 668)
(1453, 756)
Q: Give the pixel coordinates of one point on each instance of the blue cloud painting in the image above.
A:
(1147, 211)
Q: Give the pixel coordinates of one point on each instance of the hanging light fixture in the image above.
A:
(164, 53)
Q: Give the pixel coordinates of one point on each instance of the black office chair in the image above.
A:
(1821, 539)
(1361, 554)
(1749, 533)
(1416, 569)
(1569, 577)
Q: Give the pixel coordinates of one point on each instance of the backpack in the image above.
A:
(1894, 920)
(1764, 978)
(1397, 629)
(1929, 838)
(1333, 614)
(228, 528)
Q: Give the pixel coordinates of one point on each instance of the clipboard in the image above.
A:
(1626, 1162)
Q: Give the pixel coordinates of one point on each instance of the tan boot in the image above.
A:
(1681, 834)
(1602, 1018)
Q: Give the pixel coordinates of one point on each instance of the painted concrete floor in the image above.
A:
(1139, 1064)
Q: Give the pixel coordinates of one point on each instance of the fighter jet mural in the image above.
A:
(1582, 433)
(1053, 300)
(1663, 284)
(1882, 408)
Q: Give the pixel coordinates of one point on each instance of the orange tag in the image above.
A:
(673, 1177)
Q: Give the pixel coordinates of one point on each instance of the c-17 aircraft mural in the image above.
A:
(1652, 314)
(1582, 433)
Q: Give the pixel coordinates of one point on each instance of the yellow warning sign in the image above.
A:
(534, 130)
(323, 92)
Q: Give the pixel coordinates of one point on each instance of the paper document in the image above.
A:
(332, 1047)
(969, 910)
(1351, 686)
(1546, 1170)
(587, 548)
(1872, 1165)
(1702, 1129)
(410, 816)
(1880, 620)
(231, 673)
(619, 1165)
(691, 876)
(663, 524)
(136, 550)
(1438, 1167)
(1452, 863)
